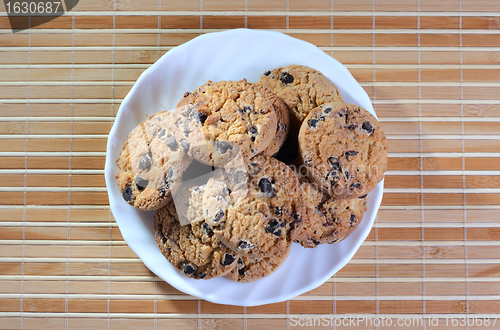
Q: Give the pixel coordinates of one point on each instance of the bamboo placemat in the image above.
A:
(431, 68)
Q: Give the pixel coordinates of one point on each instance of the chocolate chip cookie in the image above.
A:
(193, 249)
(302, 89)
(327, 220)
(151, 163)
(249, 270)
(257, 219)
(344, 149)
(221, 119)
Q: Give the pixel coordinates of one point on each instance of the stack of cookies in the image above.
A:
(239, 171)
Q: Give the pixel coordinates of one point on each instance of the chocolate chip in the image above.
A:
(223, 146)
(185, 129)
(286, 78)
(364, 196)
(186, 94)
(171, 143)
(164, 239)
(253, 130)
(335, 163)
(206, 228)
(169, 174)
(144, 163)
(244, 245)
(316, 242)
(185, 146)
(347, 175)
(277, 211)
(313, 122)
(351, 153)
(332, 177)
(253, 140)
(141, 183)
(246, 109)
(296, 216)
(127, 193)
(188, 269)
(168, 178)
(267, 73)
(307, 162)
(218, 216)
(273, 224)
(351, 126)
(242, 271)
(356, 185)
(201, 117)
(163, 193)
(352, 221)
(274, 227)
(228, 259)
(327, 110)
(265, 186)
(277, 232)
(161, 133)
(240, 262)
(367, 127)
(201, 276)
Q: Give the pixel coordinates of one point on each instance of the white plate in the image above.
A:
(230, 55)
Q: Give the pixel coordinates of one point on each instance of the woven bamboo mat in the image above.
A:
(431, 68)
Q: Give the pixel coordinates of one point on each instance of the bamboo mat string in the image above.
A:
(463, 163)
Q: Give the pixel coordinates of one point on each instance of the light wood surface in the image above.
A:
(432, 70)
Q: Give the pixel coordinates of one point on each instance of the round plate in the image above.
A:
(230, 55)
